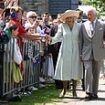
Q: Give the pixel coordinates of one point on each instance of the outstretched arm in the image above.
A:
(58, 36)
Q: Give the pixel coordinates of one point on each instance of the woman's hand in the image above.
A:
(48, 38)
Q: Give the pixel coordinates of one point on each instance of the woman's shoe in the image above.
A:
(62, 94)
(74, 94)
(74, 88)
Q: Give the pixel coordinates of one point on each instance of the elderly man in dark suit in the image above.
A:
(92, 51)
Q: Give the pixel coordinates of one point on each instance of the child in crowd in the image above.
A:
(15, 52)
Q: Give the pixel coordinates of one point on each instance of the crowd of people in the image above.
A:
(75, 47)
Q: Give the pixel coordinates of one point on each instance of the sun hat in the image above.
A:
(16, 8)
(69, 13)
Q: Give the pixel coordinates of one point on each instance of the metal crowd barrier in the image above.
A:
(31, 63)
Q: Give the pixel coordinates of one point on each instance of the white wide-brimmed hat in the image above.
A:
(69, 13)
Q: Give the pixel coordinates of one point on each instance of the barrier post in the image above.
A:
(1, 68)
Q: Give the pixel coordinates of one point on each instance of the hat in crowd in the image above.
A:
(16, 8)
(69, 13)
(31, 13)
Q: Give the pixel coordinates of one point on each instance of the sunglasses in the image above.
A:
(33, 16)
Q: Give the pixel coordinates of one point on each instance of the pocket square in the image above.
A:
(100, 29)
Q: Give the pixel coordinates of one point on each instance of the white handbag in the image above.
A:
(17, 54)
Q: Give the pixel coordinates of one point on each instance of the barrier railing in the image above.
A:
(8, 71)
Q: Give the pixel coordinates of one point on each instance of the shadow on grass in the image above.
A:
(49, 94)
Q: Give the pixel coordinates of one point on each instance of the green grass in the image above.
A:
(49, 94)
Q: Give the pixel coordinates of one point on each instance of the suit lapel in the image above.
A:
(96, 26)
(87, 29)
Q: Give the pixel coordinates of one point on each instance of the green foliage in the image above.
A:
(86, 2)
(98, 4)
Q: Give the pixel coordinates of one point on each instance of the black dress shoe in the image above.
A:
(94, 96)
(88, 93)
(88, 97)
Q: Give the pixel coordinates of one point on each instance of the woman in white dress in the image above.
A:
(68, 65)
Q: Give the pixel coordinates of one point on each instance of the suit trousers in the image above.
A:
(91, 76)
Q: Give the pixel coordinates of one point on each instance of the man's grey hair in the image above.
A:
(93, 11)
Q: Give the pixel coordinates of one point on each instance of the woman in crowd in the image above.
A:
(68, 65)
(32, 22)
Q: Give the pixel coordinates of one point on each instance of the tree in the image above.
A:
(98, 4)
(86, 2)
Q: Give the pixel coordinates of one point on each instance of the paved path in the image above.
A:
(80, 99)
